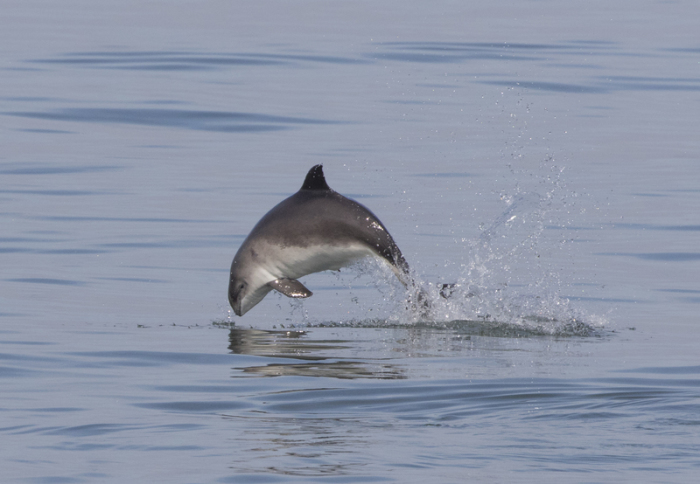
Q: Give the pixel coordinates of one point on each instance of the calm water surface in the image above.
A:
(541, 155)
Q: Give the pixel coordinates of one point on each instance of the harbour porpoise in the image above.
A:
(314, 230)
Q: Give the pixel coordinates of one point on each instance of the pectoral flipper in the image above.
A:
(290, 287)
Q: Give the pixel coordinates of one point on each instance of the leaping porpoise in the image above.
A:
(316, 229)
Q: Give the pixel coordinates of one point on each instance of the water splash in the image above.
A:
(510, 284)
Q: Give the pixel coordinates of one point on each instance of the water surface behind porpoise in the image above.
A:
(542, 156)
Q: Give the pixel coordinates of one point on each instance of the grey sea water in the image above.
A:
(543, 156)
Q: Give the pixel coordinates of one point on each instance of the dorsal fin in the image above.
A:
(315, 179)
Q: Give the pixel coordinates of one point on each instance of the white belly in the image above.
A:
(296, 262)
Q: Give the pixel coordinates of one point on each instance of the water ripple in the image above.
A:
(449, 400)
(47, 169)
(217, 121)
(658, 256)
(152, 358)
(39, 280)
(188, 61)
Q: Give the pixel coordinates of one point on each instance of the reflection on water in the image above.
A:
(329, 369)
(297, 345)
(380, 349)
(281, 344)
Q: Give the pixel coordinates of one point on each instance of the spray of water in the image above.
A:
(510, 284)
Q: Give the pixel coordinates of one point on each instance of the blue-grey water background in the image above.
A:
(545, 155)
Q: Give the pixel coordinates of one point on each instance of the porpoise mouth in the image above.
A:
(237, 309)
(236, 303)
